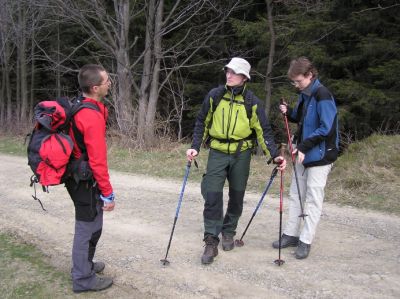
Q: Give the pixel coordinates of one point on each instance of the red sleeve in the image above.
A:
(92, 125)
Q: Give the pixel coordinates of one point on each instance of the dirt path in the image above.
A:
(355, 254)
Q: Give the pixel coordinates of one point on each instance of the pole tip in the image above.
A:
(165, 262)
(239, 243)
(279, 262)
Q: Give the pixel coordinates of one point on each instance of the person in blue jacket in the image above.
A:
(316, 147)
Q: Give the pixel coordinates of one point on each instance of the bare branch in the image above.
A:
(378, 7)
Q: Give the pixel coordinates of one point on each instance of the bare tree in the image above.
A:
(271, 54)
(278, 29)
(110, 29)
(194, 38)
(6, 50)
(3, 62)
(176, 88)
(22, 38)
(19, 23)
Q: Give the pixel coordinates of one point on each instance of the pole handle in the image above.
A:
(189, 163)
(282, 149)
(283, 102)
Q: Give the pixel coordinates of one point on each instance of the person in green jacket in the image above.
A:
(231, 121)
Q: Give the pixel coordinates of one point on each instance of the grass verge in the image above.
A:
(171, 163)
(365, 176)
(24, 271)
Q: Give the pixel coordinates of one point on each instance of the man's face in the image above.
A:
(302, 81)
(104, 86)
(233, 79)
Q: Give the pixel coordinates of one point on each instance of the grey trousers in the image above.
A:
(87, 234)
(88, 228)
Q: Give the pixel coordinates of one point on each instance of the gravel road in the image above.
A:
(355, 254)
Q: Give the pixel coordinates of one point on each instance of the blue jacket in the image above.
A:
(316, 116)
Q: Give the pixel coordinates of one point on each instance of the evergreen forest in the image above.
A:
(164, 56)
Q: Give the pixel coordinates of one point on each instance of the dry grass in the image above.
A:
(367, 175)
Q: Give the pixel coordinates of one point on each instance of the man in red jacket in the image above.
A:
(94, 194)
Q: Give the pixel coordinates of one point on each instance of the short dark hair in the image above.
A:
(301, 66)
(89, 76)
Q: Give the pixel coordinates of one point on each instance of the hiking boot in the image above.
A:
(98, 267)
(286, 241)
(302, 250)
(101, 283)
(227, 242)
(210, 251)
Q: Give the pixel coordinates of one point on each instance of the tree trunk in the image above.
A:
(146, 78)
(124, 107)
(22, 64)
(2, 98)
(58, 73)
(7, 84)
(17, 90)
(123, 98)
(5, 66)
(268, 83)
(180, 107)
(32, 92)
(153, 96)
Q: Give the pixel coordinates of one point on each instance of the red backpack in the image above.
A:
(50, 146)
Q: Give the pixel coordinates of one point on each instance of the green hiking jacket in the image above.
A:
(229, 125)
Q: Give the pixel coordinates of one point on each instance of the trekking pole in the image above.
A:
(165, 261)
(279, 261)
(293, 158)
(240, 243)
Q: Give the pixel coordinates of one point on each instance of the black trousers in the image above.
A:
(222, 167)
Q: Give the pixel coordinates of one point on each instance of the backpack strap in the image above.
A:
(77, 105)
(248, 102)
(216, 94)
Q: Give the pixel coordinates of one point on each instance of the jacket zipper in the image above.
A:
(236, 117)
(223, 120)
(229, 116)
(229, 120)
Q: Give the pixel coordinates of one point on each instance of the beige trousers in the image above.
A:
(312, 183)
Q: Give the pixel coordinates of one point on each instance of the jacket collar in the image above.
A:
(308, 91)
(236, 90)
(102, 107)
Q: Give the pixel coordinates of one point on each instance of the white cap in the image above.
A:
(239, 66)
